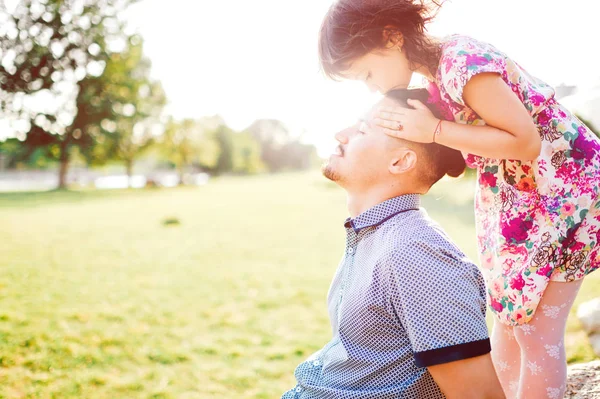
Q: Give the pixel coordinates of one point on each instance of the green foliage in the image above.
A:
(246, 158)
(278, 149)
(12, 153)
(191, 142)
(136, 103)
(224, 137)
(60, 43)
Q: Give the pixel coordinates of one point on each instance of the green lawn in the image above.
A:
(100, 298)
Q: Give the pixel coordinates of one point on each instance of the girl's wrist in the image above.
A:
(437, 131)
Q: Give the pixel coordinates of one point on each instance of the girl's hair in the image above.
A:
(353, 28)
(439, 160)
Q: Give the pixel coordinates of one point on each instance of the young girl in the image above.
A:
(537, 200)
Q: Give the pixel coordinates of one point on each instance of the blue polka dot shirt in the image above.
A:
(404, 297)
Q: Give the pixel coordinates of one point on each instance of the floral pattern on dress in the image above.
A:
(537, 221)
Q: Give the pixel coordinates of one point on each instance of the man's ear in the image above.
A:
(404, 161)
(392, 37)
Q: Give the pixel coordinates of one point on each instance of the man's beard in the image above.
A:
(329, 171)
(327, 168)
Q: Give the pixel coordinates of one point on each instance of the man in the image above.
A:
(407, 307)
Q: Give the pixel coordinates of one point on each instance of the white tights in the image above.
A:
(530, 359)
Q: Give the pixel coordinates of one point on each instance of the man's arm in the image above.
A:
(439, 297)
(473, 378)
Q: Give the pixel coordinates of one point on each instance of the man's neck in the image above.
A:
(360, 201)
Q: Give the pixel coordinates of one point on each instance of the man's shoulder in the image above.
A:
(411, 227)
(416, 239)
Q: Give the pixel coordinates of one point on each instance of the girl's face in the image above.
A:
(382, 70)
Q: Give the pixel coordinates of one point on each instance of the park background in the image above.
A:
(165, 232)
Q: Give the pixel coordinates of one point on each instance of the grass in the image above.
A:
(208, 292)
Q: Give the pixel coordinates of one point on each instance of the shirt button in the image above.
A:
(350, 251)
(298, 389)
(316, 363)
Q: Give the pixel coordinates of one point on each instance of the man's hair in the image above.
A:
(434, 160)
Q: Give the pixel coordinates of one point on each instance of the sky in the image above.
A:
(258, 59)
(246, 60)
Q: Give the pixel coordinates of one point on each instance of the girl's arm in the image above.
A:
(509, 132)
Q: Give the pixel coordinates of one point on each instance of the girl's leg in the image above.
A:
(543, 358)
(506, 356)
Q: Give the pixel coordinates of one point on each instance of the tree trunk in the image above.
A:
(64, 165)
(129, 166)
(181, 170)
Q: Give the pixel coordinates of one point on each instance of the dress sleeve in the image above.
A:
(462, 58)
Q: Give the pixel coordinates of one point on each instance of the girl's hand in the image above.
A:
(416, 124)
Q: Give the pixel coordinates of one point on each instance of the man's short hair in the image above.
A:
(434, 160)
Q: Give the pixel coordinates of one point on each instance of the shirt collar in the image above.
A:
(381, 212)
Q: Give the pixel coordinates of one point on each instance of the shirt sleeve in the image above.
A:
(462, 58)
(438, 296)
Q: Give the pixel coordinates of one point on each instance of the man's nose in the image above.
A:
(342, 136)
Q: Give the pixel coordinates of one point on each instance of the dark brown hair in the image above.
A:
(440, 160)
(353, 28)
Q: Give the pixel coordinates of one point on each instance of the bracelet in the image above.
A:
(438, 130)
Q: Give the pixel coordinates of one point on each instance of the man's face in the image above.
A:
(365, 156)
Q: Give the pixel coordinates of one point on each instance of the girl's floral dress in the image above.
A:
(537, 221)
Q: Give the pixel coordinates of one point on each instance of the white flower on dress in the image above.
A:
(552, 311)
(527, 329)
(503, 366)
(553, 393)
(553, 350)
(534, 368)
(510, 334)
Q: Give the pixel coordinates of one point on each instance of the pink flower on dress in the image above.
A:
(577, 246)
(473, 161)
(488, 261)
(568, 209)
(520, 314)
(537, 99)
(449, 64)
(517, 229)
(476, 60)
(497, 306)
(582, 147)
(544, 117)
(497, 288)
(544, 271)
(517, 250)
(489, 179)
(436, 100)
(517, 283)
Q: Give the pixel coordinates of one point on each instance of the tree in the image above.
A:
(137, 103)
(246, 159)
(58, 50)
(191, 142)
(224, 138)
(271, 135)
(278, 149)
